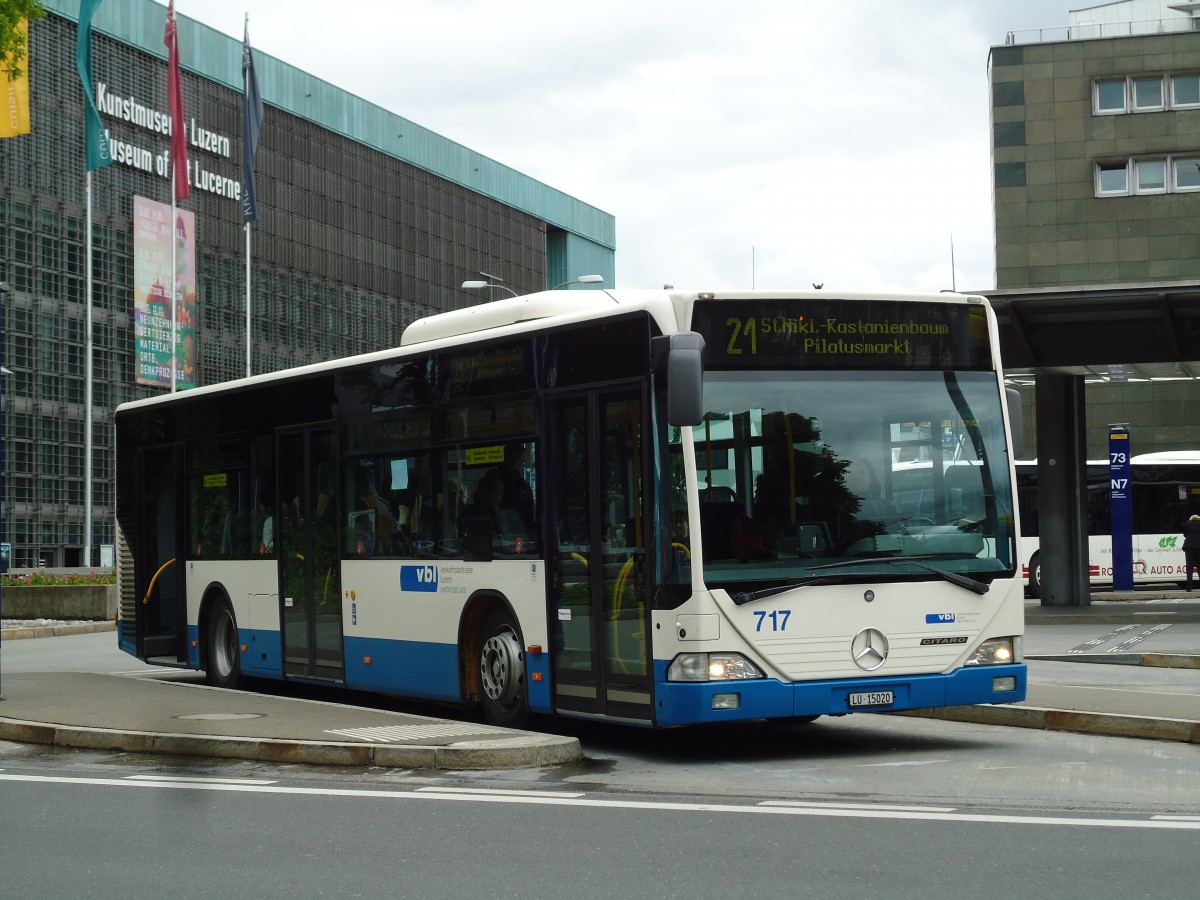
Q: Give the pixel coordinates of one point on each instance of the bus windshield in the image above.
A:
(834, 476)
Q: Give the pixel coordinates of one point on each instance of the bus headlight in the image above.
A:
(997, 652)
(711, 667)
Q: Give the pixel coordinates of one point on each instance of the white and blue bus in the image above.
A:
(654, 507)
(1165, 491)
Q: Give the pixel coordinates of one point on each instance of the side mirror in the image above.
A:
(685, 379)
(1016, 419)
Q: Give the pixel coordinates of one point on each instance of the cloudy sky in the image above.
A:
(768, 142)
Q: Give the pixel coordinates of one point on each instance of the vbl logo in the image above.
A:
(419, 578)
(939, 619)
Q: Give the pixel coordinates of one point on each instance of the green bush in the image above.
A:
(36, 578)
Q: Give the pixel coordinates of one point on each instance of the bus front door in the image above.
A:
(599, 596)
(306, 541)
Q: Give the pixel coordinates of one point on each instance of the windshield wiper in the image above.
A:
(751, 596)
(963, 581)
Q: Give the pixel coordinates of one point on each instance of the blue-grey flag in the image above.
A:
(252, 117)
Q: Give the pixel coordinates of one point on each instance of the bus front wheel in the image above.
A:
(502, 671)
(224, 656)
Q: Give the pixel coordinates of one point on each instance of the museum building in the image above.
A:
(366, 221)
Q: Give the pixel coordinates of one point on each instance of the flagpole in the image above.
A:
(178, 158)
(248, 372)
(96, 155)
(87, 413)
(252, 115)
(174, 284)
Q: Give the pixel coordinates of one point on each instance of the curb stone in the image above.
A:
(43, 631)
(545, 750)
(1109, 724)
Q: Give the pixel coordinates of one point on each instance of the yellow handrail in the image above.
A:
(154, 580)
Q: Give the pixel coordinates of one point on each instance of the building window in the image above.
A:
(1110, 96)
(1148, 93)
(1187, 173)
(1185, 90)
(1151, 176)
(1112, 178)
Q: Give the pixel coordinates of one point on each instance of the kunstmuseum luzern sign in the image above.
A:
(127, 108)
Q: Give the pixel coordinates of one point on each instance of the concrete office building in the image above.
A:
(1096, 162)
(366, 221)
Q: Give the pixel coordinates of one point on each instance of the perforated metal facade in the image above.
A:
(352, 243)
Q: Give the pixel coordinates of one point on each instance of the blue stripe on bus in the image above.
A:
(682, 703)
(405, 668)
(264, 652)
(427, 670)
(193, 646)
(411, 668)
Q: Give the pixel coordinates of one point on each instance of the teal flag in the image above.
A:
(94, 138)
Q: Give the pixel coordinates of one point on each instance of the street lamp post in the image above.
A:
(479, 285)
(580, 279)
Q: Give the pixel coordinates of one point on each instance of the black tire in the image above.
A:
(501, 662)
(224, 651)
(1035, 575)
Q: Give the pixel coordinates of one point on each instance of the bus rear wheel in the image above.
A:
(224, 656)
(1035, 575)
(502, 671)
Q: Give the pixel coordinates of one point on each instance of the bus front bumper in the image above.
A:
(685, 703)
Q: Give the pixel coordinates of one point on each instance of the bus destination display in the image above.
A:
(825, 334)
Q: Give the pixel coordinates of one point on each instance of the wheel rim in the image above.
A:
(224, 643)
(501, 668)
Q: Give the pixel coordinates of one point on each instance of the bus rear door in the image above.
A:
(159, 587)
(306, 531)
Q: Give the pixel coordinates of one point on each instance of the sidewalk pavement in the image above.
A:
(1073, 686)
(1126, 665)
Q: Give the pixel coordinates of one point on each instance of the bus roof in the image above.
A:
(500, 318)
(512, 316)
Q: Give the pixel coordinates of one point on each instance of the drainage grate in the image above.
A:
(392, 734)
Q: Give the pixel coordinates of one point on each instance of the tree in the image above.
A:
(12, 44)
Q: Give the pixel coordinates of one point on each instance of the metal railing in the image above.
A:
(1084, 31)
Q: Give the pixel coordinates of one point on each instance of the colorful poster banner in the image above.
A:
(16, 93)
(152, 284)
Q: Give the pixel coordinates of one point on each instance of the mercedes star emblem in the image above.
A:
(869, 649)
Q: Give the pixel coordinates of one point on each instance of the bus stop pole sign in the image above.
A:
(1120, 493)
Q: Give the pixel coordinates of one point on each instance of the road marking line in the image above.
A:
(183, 779)
(1095, 642)
(607, 803)
(500, 792)
(893, 807)
(1133, 641)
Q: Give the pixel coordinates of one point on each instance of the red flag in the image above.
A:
(179, 166)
